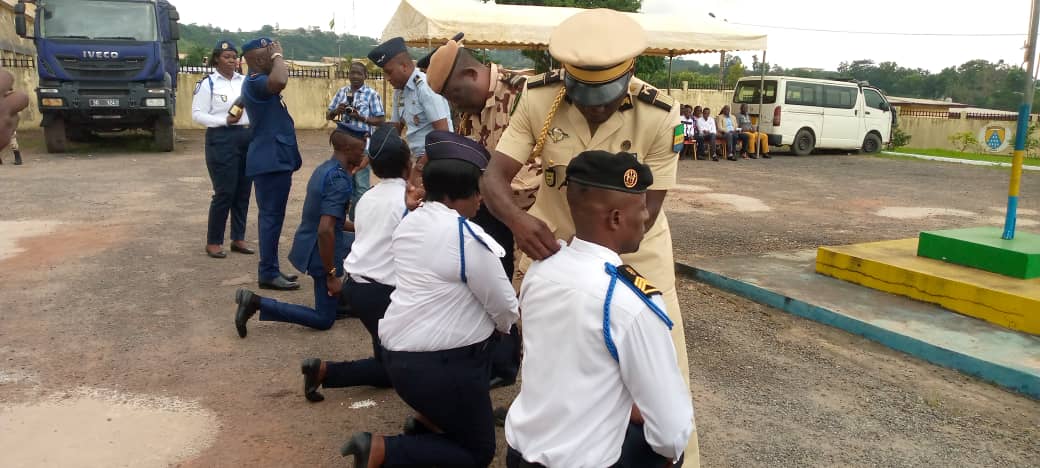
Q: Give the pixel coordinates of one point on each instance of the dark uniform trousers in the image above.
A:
(505, 354)
(369, 302)
(635, 453)
(450, 388)
(321, 317)
(272, 194)
(226, 149)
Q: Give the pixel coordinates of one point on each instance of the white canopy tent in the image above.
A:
(427, 23)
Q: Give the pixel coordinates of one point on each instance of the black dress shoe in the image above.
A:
(289, 277)
(500, 416)
(242, 250)
(280, 284)
(499, 382)
(218, 254)
(413, 427)
(311, 367)
(248, 304)
(360, 446)
(766, 156)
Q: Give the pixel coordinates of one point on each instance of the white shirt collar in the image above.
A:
(596, 250)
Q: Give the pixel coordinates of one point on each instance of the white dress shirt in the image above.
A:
(706, 126)
(432, 309)
(378, 213)
(575, 399)
(210, 107)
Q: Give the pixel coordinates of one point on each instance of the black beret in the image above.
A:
(385, 139)
(442, 144)
(386, 51)
(605, 170)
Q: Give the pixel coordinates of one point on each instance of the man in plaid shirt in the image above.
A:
(358, 104)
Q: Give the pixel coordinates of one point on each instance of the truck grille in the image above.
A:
(122, 68)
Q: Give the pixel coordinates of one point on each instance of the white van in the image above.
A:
(808, 113)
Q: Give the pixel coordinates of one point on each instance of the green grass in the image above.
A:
(961, 155)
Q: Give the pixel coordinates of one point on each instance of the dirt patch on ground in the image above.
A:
(42, 244)
(90, 428)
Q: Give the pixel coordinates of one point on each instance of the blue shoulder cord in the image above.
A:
(462, 246)
(613, 272)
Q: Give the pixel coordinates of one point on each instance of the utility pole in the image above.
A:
(1022, 129)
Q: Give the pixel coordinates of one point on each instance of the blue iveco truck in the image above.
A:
(104, 66)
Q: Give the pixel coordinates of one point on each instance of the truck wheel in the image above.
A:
(77, 135)
(804, 142)
(54, 134)
(163, 133)
(871, 144)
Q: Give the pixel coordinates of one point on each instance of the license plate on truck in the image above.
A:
(104, 103)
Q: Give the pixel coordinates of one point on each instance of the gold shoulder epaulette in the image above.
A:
(652, 95)
(547, 78)
(632, 276)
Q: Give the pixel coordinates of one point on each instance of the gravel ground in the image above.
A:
(111, 290)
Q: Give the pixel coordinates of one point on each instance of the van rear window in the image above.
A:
(747, 92)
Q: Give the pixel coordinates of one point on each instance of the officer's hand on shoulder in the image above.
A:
(413, 197)
(533, 236)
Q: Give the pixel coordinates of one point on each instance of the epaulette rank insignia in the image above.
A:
(417, 80)
(547, 78)
(630, 275)
(651, 95)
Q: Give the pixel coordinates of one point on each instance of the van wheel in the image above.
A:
(54, 135)
(804, 142)
(871, 144)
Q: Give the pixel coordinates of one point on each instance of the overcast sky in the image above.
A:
(787, 47)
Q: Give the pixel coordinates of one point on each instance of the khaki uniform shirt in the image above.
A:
(647, 124)
(487, 128)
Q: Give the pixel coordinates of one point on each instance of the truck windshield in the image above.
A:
(748, 90)
(130, 21)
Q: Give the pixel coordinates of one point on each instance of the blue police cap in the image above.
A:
(352, 130)
(258, 43)
(386, 51)
(223, 45)
(385, 140)
(442, 144)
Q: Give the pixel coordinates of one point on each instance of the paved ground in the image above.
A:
(109, 307)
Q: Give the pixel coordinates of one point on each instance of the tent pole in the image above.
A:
(761, 99)
(670, 56)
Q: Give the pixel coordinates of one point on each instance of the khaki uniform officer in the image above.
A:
(594, 103)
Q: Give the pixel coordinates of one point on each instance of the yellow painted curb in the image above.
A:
(894, 267)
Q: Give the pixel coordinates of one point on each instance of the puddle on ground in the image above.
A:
(739, 203)
(12, 231)
(90, 428)
(920, 212)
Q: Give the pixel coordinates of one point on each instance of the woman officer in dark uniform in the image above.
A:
(227, 140)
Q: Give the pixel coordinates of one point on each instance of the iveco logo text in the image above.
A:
(99, 54)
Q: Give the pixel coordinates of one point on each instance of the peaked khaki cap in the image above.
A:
(599, 40)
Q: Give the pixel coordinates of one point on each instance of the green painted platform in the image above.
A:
(982, 248)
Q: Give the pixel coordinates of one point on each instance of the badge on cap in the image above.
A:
(224, 46)
(631, 178)
(263, 43)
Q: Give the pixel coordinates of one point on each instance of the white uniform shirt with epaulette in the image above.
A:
(451, 289)
(418, 107)
(214, 96)
(379, 212)
(647, 125)
(574, 405)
